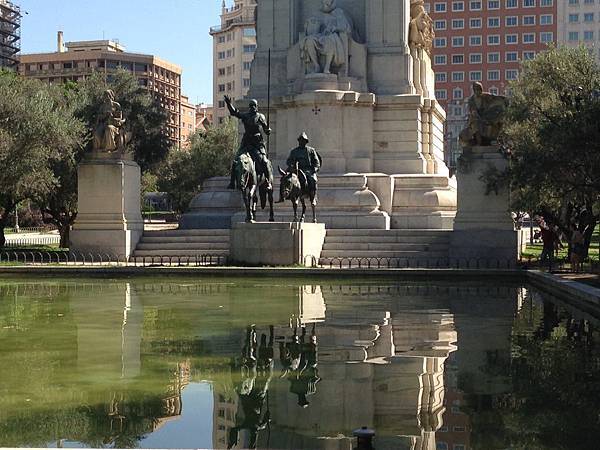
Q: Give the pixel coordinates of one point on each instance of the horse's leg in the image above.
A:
(270, 198)
(253, 200)
(295, 205)
(313, 203)
(303, 216)
(246, 197)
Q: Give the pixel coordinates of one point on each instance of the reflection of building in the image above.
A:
(225, 408)
(234, 44)
(76, 60)
(10, 34)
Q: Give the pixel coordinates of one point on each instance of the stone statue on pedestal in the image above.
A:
(109, 135)
(325, 45)
(486, 118)
(421, 31)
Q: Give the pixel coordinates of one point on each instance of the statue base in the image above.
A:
(276, 243)
(483, 228)
(109, 220)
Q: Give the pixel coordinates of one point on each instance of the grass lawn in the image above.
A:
(534, 251)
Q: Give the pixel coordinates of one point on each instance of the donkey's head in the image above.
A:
(290, 183)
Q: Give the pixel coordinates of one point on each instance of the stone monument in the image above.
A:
(356, 76)
(484, 232)
(109, 220)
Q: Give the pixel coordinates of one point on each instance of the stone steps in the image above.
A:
(184, 243)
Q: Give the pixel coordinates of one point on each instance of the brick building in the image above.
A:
(485, 41)
(76, 60)
(188, 120)
(10, 34)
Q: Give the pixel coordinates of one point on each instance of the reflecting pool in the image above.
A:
(282, 364)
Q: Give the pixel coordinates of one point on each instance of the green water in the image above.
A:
(272, 363)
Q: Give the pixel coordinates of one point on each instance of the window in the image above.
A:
(528, 55)
(493, 22)
(247, 65)
(440, 77)
(458, 59)
(441, 94)
(548, 36)
(512, 38)
(221, 103)
(249, 48)
(547, 3)
(439, 60)
(573, 35)
(528, 3)
(231, 52)
(440, 24)
(440, 7)
(493, 75)
(457, 93)
(493, 4)
(512, 4)
(474, 40)
(573, 18)
(439, 42)
(475, 6)
(246, 82)
(511, 21)
(221, 39)
(475, 58)
(546, 19)
(494, 90)
(458, 6)
(475, 23)
(441, 446)
(511, 56)
(249, 32)
(529, 20)
(511, 74)
(458, 41)
(458, 24)
(493, 57)
(228, 86)
(588, 17)
(475, 75)
(493, 39)
(588, 35)
(221, 88)
(221, 72)
(528, 38)
(458, 76)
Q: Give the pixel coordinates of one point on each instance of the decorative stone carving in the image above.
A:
(421, 31)
(109, 135)
(486, 118)
(324, 48)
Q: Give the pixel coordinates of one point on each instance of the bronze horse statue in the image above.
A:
(249, 181)
(295, 187)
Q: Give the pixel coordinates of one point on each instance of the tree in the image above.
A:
(209, 155)
(35, 129)
(553, 135)
(145, 119)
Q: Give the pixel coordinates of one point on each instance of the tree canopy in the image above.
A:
(553, 135)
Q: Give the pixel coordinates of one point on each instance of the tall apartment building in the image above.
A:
(188, 120)
(234, 45)
(485, 41)
(204, 116)
(10, 34)
(579, 23)
(76, 60)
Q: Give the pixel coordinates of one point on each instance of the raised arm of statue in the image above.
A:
(233, 111)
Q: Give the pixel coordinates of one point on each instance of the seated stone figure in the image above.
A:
(109, 135)
(324, 48)
(486, 117)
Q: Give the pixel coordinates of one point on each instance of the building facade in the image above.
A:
(234, 44)
(10, 34)
(76, 60)
(188, 120)
(485, 41)
(579, 23)
(204, 116)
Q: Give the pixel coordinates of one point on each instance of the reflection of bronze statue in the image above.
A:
(486, 117)
(299, 360)
(109, 135)
(256, 371)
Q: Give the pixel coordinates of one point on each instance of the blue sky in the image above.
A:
(175, 30)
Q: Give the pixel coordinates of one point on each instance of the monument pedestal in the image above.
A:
(483, 229)
(276, 243)
(109, 219)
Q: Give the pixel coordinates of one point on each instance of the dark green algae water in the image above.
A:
(275, 363)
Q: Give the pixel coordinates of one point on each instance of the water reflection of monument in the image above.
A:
(383, 369)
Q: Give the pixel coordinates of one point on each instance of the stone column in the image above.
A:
(484, 233)
(109, 219)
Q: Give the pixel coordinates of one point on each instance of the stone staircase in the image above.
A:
(183, 243)
(408, 246)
